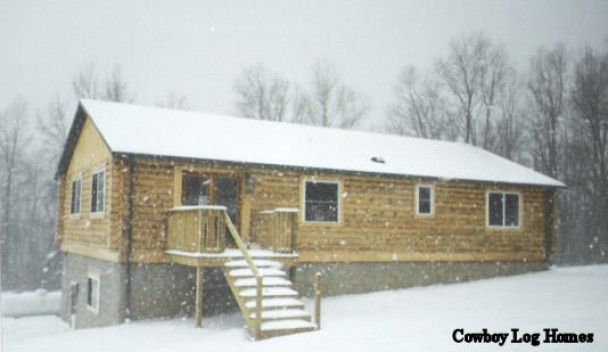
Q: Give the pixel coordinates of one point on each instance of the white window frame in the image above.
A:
(338, 201)
(105, 193)
(431, 200)
(93, 305)
(79, 180)
(520, 218)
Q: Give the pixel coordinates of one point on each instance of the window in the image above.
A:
(503, 209)
(93, 292)
(321, 201)
(98, 192)
(76, 192)
(195, 190)
(424, 202)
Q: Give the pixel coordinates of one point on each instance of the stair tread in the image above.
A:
(282, 314)
(266, 272)
(267, 281)
(287, 325)
(269, 291)
(275, 303)
(260, 263)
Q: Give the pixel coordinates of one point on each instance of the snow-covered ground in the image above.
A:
(418, 319)
(38, 302)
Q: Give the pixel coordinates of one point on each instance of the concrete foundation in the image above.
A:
(158, 291)
(351, 278)
(76, 270)
(161, 291)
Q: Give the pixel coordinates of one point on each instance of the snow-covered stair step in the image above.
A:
(262, 271)
(269, 292)
(259, 263)
(291, 324)
(283, 314)
(267, 282)
(277, 303)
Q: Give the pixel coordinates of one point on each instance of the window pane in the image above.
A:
(90, 291)
(75, 203)
(97, 192)
(511, 210)
(94, 193)
(93, 293)
(424, 200)
(322, 192)
(495, 209)
(78, 195)
(195, 190)
(100, 191)
(321, 202)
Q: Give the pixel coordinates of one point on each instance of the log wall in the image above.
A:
(378, 221)
(86, 233)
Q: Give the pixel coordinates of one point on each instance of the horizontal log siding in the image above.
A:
(153, 197)
(262, 227)
(86, 233)
(120, 210)
(378, 219)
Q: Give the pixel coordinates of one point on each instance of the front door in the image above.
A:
(226, 194)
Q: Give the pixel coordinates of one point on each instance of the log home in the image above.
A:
(160, 209)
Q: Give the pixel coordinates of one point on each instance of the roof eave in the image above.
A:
(329, 170)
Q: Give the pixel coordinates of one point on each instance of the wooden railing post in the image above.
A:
(258, 278)
(199, 296)
(258, 307)
(221, 237)
(318, 300)
(202, 222)
(276, 229)
(294, 231)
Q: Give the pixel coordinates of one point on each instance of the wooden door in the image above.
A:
(226, 193)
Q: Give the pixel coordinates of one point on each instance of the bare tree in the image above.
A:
(331, 102)
(13, 141)
(174, 101)
(510, 135)
(474, 74)
(589, 97)
(495, 72)
(590, 102)
(300, 106)
(53, 125)
(116, 88)
(419, 108)
(87, 85)
(261, 94)
(548, 89)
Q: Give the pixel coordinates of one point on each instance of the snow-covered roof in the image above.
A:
(133, 129)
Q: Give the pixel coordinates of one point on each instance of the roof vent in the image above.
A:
(378, 160)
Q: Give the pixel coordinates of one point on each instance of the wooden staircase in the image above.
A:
(281, 310)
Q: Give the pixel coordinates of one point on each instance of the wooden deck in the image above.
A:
(198, 237)
(206, 259)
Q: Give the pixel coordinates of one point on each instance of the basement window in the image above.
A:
(424, 200)
(76, 196)
(93, 292)
(321, 202)
(503, 210)
(98, 192)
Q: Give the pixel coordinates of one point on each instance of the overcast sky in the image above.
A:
(197, 48)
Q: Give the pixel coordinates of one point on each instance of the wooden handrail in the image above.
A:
(258, 278)
(318, 300)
